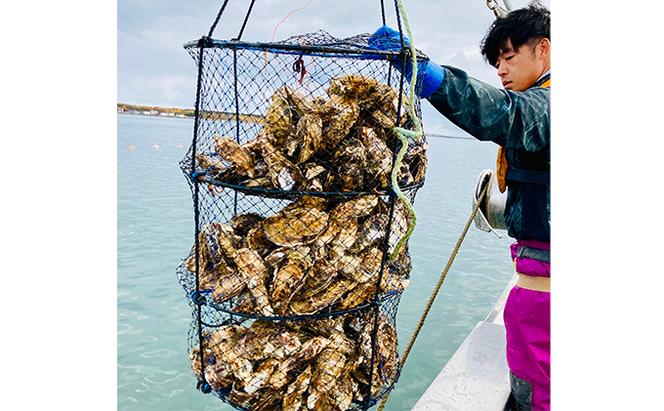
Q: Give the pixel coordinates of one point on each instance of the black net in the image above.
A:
(298, 279)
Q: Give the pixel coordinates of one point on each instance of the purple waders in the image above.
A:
(527, 323)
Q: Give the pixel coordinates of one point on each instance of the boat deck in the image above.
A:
(476, 377)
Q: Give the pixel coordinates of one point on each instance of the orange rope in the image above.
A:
(274, 30)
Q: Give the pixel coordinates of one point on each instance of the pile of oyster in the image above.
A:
(314, 255)
(300, 365)
(340, 143)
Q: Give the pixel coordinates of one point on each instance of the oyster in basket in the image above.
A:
(295, 227)
(338, 115)
(284, 174)
(279, 122)
(379, 159)
(293, 397)
(251, 266)
(229, 150)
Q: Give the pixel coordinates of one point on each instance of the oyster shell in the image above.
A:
(350, 159)
(369, 267)
(257, 240)
(228, 286)
(279, 123)
(325, 298)
(310, 135)
(251, 266)
(241, 223)
(214, 164)
(329, 365)
(288, 278)
(400, 224)
(379, 158)
(372, 231)
(309, 349)
(356, 208)
(338, 115)
(282, 172)
(293, 398)
(261, 375)
(295, 227)
(229, 150)
(359, 88)
(319, 278)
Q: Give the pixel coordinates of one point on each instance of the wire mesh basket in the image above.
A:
(295, 275)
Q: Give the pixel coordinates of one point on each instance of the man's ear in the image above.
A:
(544, 47)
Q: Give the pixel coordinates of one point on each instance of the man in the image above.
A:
(517, 119)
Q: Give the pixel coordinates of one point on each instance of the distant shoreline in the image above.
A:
(124, 108)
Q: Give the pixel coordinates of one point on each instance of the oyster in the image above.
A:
(400, 224)
(293, 398)
(350, 159)
(279, 118)
(231, 151)
(267, 400)
(222, 241)
(257, 240)
(355, 208)
(295, 227)
(359, 295)
(195, 359)
(261, 375)
(310, 349)
(241, 223)
(214, 165)
(244, 303)
(251, 266)
(417, 162)
(228, 286)
(217, 377)
(329, 365)
(347, 235)
(372, 231)
(225, 348)
(325, 298)
(364, 267)
(314, 176)
(290, 274)
(283, 173)
(309, 134)
(321, 276)
(338, 115)
(379, 158)
(363, 90)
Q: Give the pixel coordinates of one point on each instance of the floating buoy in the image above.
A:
(132, 147)
(155, 146)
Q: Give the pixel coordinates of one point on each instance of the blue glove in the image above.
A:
(430, 73)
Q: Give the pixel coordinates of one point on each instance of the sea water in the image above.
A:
(155, 231)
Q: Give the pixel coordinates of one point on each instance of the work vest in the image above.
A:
(523, 175)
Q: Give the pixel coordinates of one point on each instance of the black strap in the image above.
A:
(528, 176)
(534, 254)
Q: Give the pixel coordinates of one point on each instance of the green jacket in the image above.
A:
(518, 121)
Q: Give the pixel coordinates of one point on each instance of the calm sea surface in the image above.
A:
(155, 230)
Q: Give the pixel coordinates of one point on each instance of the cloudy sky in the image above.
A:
(154, 69)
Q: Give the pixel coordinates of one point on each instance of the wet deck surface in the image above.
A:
(475, 378)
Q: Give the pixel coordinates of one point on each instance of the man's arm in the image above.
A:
(518, 120)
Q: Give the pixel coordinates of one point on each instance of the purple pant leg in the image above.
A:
(528, 327)
(527, 322)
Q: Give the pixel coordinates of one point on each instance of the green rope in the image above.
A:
(403, 136)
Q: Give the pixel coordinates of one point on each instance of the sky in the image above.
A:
(154, 69)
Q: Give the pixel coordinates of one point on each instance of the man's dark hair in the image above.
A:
(527, 25)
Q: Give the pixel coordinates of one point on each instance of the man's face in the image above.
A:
(519, 69)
